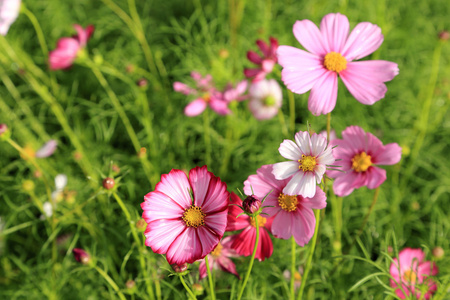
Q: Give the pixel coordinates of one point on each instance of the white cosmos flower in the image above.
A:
(265, 99)
(309, 159)
(9, 11)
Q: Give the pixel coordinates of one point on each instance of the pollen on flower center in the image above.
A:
(206, 97)
(216, 252)
(287, 202)
(335, 62)
(307, 163)
(361, 162)
(409, 276)
(194, 216)
(261, 221)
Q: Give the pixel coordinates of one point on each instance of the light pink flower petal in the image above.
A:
(304, 225)
(176, 186)
(344, 184)
(160, 206)
(303, 183)
(375, 177)
(47, 150)
(319, 200)
(161, 233)
(323, 96)
(427, 269)
(186, 248)
(356, 139)
(388, 155)
(300, 68)
(289, 150)
(182, 88)
(195, 108)
(334, 29)
(282, 225)
(303, 141)
(219, 106)
(227, 265)
(284, 170)
(410, 258)
(318, 144)
(83, 35)
(208, 239)
(267, 65)
(364, 39)
(64, 54)
(309, 36)
(327, 157)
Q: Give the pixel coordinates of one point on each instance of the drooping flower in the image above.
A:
(67, 48)
(47, 149)
(332, 52)
(359, 153)
(244, 242)
(219, 258)
(413, 274)
(265, 63)
(293, 215)
(309, 157)
(9, 11)
(265, 99)
(186, 229)
(205, 95)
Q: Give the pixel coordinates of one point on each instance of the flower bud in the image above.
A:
(81, 256)
(130, 284)
(141, 224)
(438, 252)
(108, 183)
(142, 83)
(198, 289)
(3, 129)
(251, 204)
(179, 268)
(444, 35)
(28, 186)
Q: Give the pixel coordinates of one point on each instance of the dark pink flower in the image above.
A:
(293, 215)
(244, 242)
(219, 258)
(413, 273)
(359, 153)
(67, 48)
(265, 63)
(186, 229)
(81, 256)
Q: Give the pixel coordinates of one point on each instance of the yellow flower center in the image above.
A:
(216, 252)
(287, 202)
(335, 62)
(297, 276)
(410, 276)
(28, 152)
(194, 216)
(361, 162)
(206, 97)
(307, 163)
(261, 221)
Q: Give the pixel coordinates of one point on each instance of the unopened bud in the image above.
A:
(77, 156)
(142, 82)
(130, 68)
(37, 174)
(438, 252)
(108, 183)
(444, 35)
(141, 224)
(28, 186)
(81, 256)
(251, 204)
(3, 129)
(179, 268)
(223, 53)
(115, 169)
(130, 284)
(390, 250)
(198, 289)
(142, 152)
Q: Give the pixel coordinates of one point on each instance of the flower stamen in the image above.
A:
(335, 62)
(410, 276)
(261, 221)
(287, 202)
(307, 163)
(194, 216)
(361, 162)
(216, 252)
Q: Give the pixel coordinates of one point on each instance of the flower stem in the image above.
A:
(207, 137)
(310, 255)
(293, 246)
(187, 288)
(291, 112)
(111, 282)
(252, 259)
(210, 279)
(283, 123)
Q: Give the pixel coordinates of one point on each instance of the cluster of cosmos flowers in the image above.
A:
(188, 215)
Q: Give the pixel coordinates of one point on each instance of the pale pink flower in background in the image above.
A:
(67, 48)
(333, 135)
(265, 99)
(413, 273)
(309, 157)
(265, 63)
(293, 215)
(219, 258)
(332, 52)
(231, 93)
(205, 95)
(359, 153)
(9, 11)
(47, 149)
(186, 229)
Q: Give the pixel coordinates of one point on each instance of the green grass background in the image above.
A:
(412, 209)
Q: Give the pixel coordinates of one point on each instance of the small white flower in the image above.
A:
(265, 99)
(9, 11)
(48, 210)
(60, 184)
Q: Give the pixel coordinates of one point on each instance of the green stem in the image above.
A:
(291, 112)
(283, 123)
(207, 137)
(210, 279)
(293, 246)
(252, 259)
(310, 255)
(187, 288)
(110, 282)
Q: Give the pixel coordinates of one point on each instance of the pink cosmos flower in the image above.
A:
(265, 63)
(205, 94)
(293, 215)
(332, 53)
(47, 149)
(359, 153)
(235, 93)
(186, 229)
(68, 47)
(9, 11)
(333, 135)
(244, 242)
(219, 258)
(413, 274)
(309, 157)
(265, 99)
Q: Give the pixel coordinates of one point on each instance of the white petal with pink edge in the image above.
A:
(288, 149)
(217, 222)
(176, 186)
(303, 141)
(285, 169)
(186, 248)
(160, 234)
(160, 206)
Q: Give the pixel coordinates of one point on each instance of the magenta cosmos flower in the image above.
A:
(219, 258)
(9, 11)
(265, 99)
(293, 215)
(265, 63)
(413, 274)
(68, 47)
(244, 242)
(359, 152)
(205, 95)
(309, 157)
(186, 229)
(332, 52)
